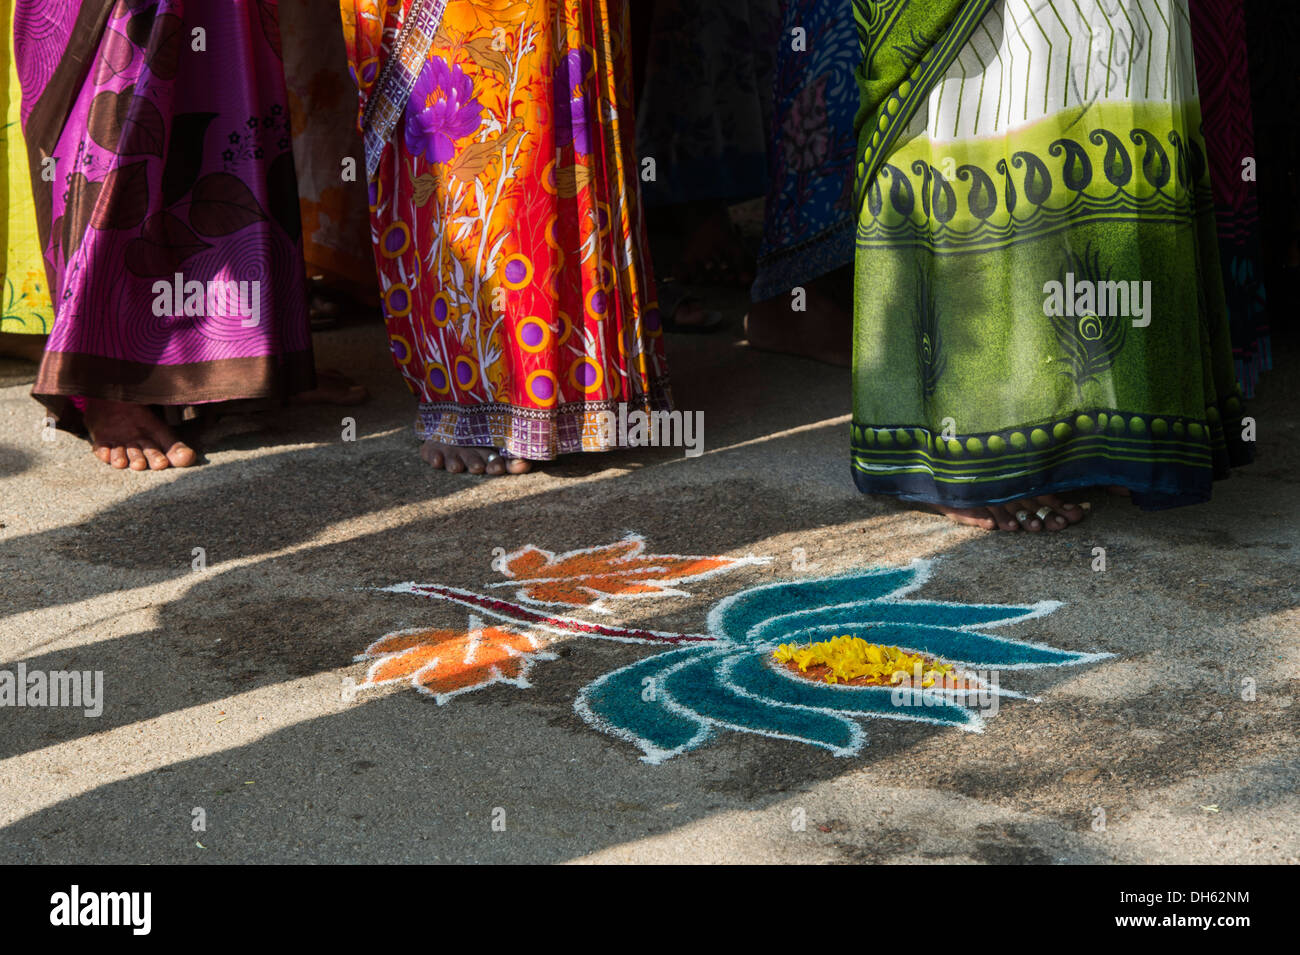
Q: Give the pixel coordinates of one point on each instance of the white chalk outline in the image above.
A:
(494, 673)
(727, 648)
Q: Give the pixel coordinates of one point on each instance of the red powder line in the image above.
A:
(511, 611)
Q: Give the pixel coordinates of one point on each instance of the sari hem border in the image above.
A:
(69, 374)
(536, 434)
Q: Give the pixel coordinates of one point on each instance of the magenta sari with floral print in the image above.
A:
(160, 145)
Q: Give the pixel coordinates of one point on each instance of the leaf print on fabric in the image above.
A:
(270, 21)
(483, 50)
(184, 154)
(126, 124)
(82, 196)
(164, 245)
(571, 180)
(424, 186)
(166, 42)
(473, 159)
(140, 25)
(116, 55)
(124, 200)
(222, 204)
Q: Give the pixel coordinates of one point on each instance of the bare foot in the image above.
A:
(824, 332)
(128, 435)
(1046, 512)
(333, 388)
(22, 347)
(456, 460)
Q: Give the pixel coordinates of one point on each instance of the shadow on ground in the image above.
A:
(294, 536)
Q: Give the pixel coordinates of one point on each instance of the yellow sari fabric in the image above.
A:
(25, 306)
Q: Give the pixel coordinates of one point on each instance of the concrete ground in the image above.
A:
(226, 689)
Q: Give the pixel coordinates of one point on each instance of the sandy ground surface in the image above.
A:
(227, 689)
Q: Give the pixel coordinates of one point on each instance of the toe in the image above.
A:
(178, 453)
(474, 461)
(1024, 511)
(135, 459)
(157, 460)
(519, 466)
(1042, 516)
(1072, 513)
(117, 457)
(970, 517)
(455, 465)
(181, 455)
(495, 466)
(1050, 509)
(102, 451)
(1005, 519)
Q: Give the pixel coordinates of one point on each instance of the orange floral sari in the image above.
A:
(506, 219)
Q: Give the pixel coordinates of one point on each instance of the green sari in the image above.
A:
(1039, 304)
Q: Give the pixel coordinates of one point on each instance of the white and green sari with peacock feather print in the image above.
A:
(1039, 304)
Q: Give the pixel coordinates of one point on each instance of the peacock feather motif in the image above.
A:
(1090, 341)
(930, 356)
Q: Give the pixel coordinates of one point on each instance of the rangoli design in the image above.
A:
(765, 663)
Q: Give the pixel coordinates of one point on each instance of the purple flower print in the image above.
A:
(442, 109)
(571, 101)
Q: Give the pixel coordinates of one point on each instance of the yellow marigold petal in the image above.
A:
(850, 658)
